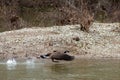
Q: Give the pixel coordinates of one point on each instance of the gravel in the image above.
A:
(103, 41)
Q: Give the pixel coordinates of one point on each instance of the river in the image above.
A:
(79, 69)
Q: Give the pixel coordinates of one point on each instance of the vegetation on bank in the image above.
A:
(16, 14)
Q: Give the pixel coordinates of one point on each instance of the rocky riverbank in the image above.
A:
(103, 41)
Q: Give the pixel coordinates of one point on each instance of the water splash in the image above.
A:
(30, 63)
(11, 64)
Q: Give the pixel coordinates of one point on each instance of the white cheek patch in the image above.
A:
(45, 56)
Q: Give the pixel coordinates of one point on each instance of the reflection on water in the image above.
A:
(11, 67)
(81, 69)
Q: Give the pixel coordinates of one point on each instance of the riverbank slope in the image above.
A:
(103, 41)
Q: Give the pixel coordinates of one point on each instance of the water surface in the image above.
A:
(80, 69)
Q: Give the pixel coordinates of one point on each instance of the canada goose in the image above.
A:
(58, 56)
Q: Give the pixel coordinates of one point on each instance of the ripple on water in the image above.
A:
(76, 70)
(11, 67)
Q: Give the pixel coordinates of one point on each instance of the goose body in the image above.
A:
(58, 56)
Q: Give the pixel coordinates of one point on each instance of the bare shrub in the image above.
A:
(70, 14)
(86, 21)
(57, 12)
(10, 15)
